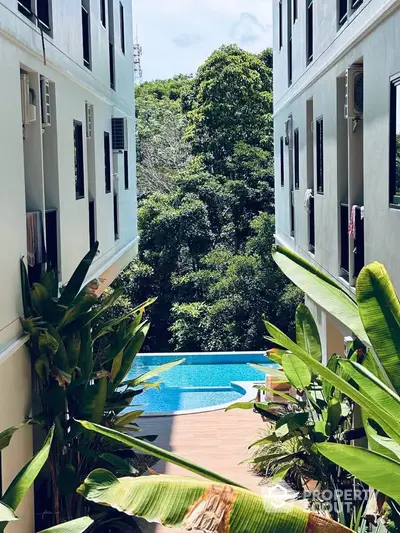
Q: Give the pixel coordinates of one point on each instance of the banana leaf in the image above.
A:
(321, 289)
(388, 423)
(131, 351)
(78, 277)
(6, 514)
(379, 309)
(296, 371)
(270, 371)
(307, 336)
(374, 469)
(151, 449)
(75, 526)
(151, 373)
(7, 434)
(25, 478)
(193, 504)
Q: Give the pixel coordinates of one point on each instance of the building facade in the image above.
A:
(67, 152)
(337, 121)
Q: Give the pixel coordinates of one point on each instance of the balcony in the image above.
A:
(351, 259)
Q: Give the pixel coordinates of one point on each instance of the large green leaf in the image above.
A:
(75, 526)
(132, 350)
(100, 400)
(152, 373)
(7, 434)
(377, 471)
(386, 421)
(379, 310)
(307, 335)
(151, 449)
(269, 371)
(194, 504)
(78, 277)
(6, 513)
(321, 289)
(296, 371)
(25, 478)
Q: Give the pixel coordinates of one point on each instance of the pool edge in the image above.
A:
(248, 396)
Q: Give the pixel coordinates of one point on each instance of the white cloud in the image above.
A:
(178, 35)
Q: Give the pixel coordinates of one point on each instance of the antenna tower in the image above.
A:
(137, 55)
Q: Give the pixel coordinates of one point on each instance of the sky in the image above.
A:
(177, 36)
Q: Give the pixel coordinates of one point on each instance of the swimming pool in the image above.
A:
(202, 382)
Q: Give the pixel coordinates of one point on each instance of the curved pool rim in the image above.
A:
(245, 387)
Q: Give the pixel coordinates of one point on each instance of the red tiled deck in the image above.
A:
(217, 440)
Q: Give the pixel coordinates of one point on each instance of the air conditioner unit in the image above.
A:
(89, 120)
(354, 105)
(119, 134)
(28, 100)
(289, 132)
(46, 101)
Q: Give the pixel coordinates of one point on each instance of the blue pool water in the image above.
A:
(201, 381)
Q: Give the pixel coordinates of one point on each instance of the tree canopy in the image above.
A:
(205, 170)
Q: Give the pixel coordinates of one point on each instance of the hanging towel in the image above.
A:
(352, 223)
(362, 209)
(31, 235)
(307, 198)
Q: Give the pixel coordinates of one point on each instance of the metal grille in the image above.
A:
(118, 133)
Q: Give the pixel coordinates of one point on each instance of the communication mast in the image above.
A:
(137, 63)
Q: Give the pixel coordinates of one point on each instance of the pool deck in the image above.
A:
(217, 440)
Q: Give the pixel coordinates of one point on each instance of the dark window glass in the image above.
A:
(282, 157)
(280, 24)
(122, 26)
(290, 50)
(25, 7)
(295, 10)
(116, 225)
(342, 11)
(112, 65)
(292, 213)
(296, 149)
(107, 161)
(126, 169)
(356, 3)
(92, 223)
(310, 31)
(78, 157)
(311, 227)
(320, 155)
(394, 145)
(103, 12)
(43, 12)
(86, 37)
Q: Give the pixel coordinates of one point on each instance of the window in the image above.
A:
(86, 34)
(122, 26)
(282, 155)
(107, 161)
(103, 12)
(296, 149)
(126, 169)
(78, 157)
(290, 50)
(92, 223)
(43, 13)
(356, 3)
(111, 48)
(320, 155)
(116, 221)
(295, 10)
(342, 12)
(394, 145)
(310, 31)
(112, 65)
(280, 25)
(25, 7)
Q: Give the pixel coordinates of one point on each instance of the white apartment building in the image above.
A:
(67, 169)
(337, 121)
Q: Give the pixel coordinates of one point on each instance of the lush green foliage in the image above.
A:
(206, 226)
(81, 361)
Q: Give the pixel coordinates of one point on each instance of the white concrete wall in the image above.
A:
(372, 36)
(20, 46)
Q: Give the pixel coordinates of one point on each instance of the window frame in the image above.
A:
(126, 170)
(46, 26)
(282, 161)
(79, 163)
(85, 12)
(394, 199)
(296, 158)
(107, 161)
(290, 43)
(319, 152)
